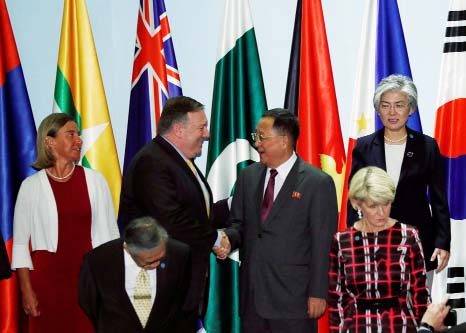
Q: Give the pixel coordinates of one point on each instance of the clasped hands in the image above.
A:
(224, 249)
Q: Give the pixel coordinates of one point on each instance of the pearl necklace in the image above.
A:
(60, 178)
(395, 141)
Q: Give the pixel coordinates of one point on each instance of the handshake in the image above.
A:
(224, 249)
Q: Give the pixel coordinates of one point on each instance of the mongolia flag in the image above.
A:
(382, 52)
(155, 76)
(449, 133)
(17, 153)
(79, 91)
(311, 95)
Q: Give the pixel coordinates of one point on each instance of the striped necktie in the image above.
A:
(206, 199)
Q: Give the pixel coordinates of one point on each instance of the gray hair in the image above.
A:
(396, 82)
(144, 234)
(372, 183)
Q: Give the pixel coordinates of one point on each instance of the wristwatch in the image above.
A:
(424, 328)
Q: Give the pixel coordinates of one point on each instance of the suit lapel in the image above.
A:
(259, 195)
(411, 155)
(120, 285)
(158, 315)
(378, 153)
(171, 151)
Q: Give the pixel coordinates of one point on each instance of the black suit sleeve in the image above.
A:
(88, 294)
(438, 200)
(324, 221)
(235, 231)
(161, 190)
(357, 163)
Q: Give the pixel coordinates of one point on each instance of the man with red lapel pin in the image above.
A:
(284, 214)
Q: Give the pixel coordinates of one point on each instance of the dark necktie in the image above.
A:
(268, 196)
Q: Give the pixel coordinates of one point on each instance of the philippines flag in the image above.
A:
(155, 76)
(449, 126)
(17, 153)
(382, 52)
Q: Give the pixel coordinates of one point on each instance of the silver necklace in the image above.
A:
(397, 140)
(60, 178)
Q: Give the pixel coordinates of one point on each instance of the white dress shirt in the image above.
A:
(393, 160)
(282, 172)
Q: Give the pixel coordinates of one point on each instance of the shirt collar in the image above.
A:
(284, 169)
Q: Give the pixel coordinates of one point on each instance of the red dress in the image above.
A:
(386, 265)
(55, 275)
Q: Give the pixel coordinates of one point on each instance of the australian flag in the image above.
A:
(155, 76)
(449, 133)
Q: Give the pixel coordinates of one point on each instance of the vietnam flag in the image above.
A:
(311, 95)
(79, 91)
(17, 153)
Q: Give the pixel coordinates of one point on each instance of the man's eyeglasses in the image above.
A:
(261, 137)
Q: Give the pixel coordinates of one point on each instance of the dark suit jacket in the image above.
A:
(285, 260)
(160, 184)
(421, 170)
(103, 297)
(461, 328)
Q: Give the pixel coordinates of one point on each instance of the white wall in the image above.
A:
(195, 28)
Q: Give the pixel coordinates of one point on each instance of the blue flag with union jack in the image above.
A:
(155, 76)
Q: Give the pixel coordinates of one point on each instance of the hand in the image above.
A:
(30, 303)
(316, 307)
(435, 315)
(442, 257)
(224, 249)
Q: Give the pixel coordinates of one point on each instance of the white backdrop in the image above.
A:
(195, 26)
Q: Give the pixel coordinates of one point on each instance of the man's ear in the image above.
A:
(178, 129)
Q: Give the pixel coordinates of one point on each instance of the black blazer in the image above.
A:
(285, 260)
(103, 297)
(160, 184)
(421, 171)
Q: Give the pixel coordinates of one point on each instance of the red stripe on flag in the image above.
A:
(449, 135)
(9, 296)
(9, 57)
(317, 106)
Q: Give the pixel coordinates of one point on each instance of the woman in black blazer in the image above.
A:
(413, 161)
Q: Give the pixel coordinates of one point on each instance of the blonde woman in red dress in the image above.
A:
(61, 212)
(377, 275)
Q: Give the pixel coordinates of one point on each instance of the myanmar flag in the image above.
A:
(79, 92)
(238, 104)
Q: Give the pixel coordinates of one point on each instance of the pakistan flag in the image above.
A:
(238, 103)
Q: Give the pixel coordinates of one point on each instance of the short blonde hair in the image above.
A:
(48, 127)
(372, 183)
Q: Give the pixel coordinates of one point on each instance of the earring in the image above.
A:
(359, 214)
